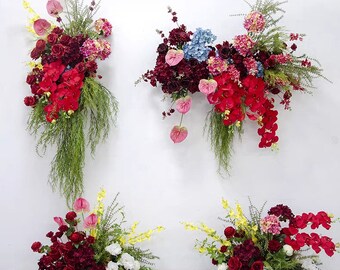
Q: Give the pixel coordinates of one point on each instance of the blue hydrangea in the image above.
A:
(197, 48)
(260, 70)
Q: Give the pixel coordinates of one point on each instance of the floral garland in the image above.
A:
(103, 244)
(276, 241)
(69, 106)
(241, 79)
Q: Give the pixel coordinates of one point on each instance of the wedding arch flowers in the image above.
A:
(241, 79)
(95, 239)
(279, 240)
(70, 107)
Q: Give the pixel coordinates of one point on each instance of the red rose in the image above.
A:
(71, 215)
(234, 263)
(30, 101)
(36, 246)
(229, 232)
(274, 246)
(58, 50)
(52, 38)
(76, 237)
(40, 45)
(258, 265)
(65, 40)
(35, 53)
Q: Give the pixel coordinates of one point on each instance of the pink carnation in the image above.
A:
(105, 49)
(251, 65)
(243, 44)
(93, 49)
(270, 224)
(254, 22)
(217, 65)
(103, 27)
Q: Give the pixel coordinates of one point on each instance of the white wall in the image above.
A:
(162, 183)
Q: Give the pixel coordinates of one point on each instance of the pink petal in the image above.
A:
(91, 221)
(178, 134)
(183, 105)
(41, 26)
(207, 86)
(173, 57)
(54, 7)
(59, 220)
(81, 205)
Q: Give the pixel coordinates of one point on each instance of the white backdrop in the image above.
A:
(161, 183)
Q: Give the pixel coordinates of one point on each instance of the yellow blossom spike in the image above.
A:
(189, 226)
(225, 204)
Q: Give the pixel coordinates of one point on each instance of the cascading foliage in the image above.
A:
(243, 78)
(70, 107)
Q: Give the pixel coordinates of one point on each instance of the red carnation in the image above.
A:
(229, 232)
(234, 263)
(36, 246)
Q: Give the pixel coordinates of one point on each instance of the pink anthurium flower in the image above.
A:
(183, 105)
(41, 26)
(54, 8)
(59, 220)
(207, 86)
(173, 57)
(91, 221)
(178, 134)
(81, 205)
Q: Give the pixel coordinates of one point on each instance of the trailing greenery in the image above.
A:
(221, 138)
(79, 17)
(97, 111)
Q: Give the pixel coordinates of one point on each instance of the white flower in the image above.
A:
(112, 266)
(288, 250)
(127, 261)
(222, 266)
(114, 249)
(136, 266)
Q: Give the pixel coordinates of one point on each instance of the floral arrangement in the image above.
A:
(97, 241)
(275, 241)
(69, 105)
(241, 79)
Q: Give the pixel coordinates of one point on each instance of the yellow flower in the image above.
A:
(189, 226)
(202, 250)
(225, 204)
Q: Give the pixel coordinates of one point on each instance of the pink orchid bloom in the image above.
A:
(59, 220)
(178, 134)
(173, 57)
(91, 221)
(41, 26)
(81, 205)
(54, 8)
(183, 105)
(207, 86)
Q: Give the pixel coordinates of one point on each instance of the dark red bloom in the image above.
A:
(234, 263)
(229, 232)
(71, 215)
(30, 101)
(57, 50)
(52, 38)
(274, 246)
(223, 249)
(49, 234)
(35, 53)
(36, 246)
(40, 45)
(76, 237)
(258, 265)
